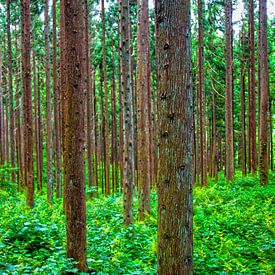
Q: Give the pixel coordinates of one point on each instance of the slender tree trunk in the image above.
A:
(2, 139)
(252, 101)
(229, 94)
(105, 112)
(242, 94)
(128, 155)
(114, 126)
(143, 87)
(263, 54)
(88, 99)
(75, 58)
(175, 173)
(203, 147)
(36, 127)
(12, 135)
(58, 162)
(27, 101)
(48, 107)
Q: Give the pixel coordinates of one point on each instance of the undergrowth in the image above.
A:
(233, 229)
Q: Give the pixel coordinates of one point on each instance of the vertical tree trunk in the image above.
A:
(242, 95)
(58, 162)
(48, 107)
(203, 147)
(95, 119)
(2, 139)
(12, 135)
(263, 54)
(18, 123)
(75, 58)
(36, 127)
(88, 99)
(105, 112)
(175, 173)
(229, 93)
(27, 101)
(214, 143)
(114, 126)
(252, 100)
(143, 87)
(128, 155)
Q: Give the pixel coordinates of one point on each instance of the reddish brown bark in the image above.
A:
(229, 170)
(143, 87)
(175, 171)
(203, 146)
(263, 60)
(88, 99)
(27, 101)
(252, 95)
(57, 142)
(75, 200)
(48, 106)
(11, 103)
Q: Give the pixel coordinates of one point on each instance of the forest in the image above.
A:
(137, 137)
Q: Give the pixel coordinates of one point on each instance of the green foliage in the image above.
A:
(233, 230)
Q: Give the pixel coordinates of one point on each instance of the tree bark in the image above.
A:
(175, 172)
(58, 161)
(263, 54)
(252, 99)
(11, 103)
(27, 101)
(203, 147)
(143, 87)
(75, 58)
(128, 155)
(48, 107)
(229, 93)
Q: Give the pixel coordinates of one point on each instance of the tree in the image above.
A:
(27, 101)
(48, 106)
(58, 161)
(229, 139)
(128, 154)
(75, 200)
(263, 61)
(12, 124)
(203, 149)
(143, 87)
(252, 100)
(105, 109)
(175, 172)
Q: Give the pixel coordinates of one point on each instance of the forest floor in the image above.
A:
(233, 230)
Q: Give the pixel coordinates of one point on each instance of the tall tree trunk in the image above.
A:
(58, 162)
(36, 127)
(27, 101)
(75, 58)
(2, 139)
(242, 94)
(252, 100)
(203, 146)
(105, 112)
(229, 93)
(48, 107)
(12, 135)
(128, 173)
(143, 87)
(263, 60)
(114, 126)
(175, 172)
(18, 122)
(88, 99)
